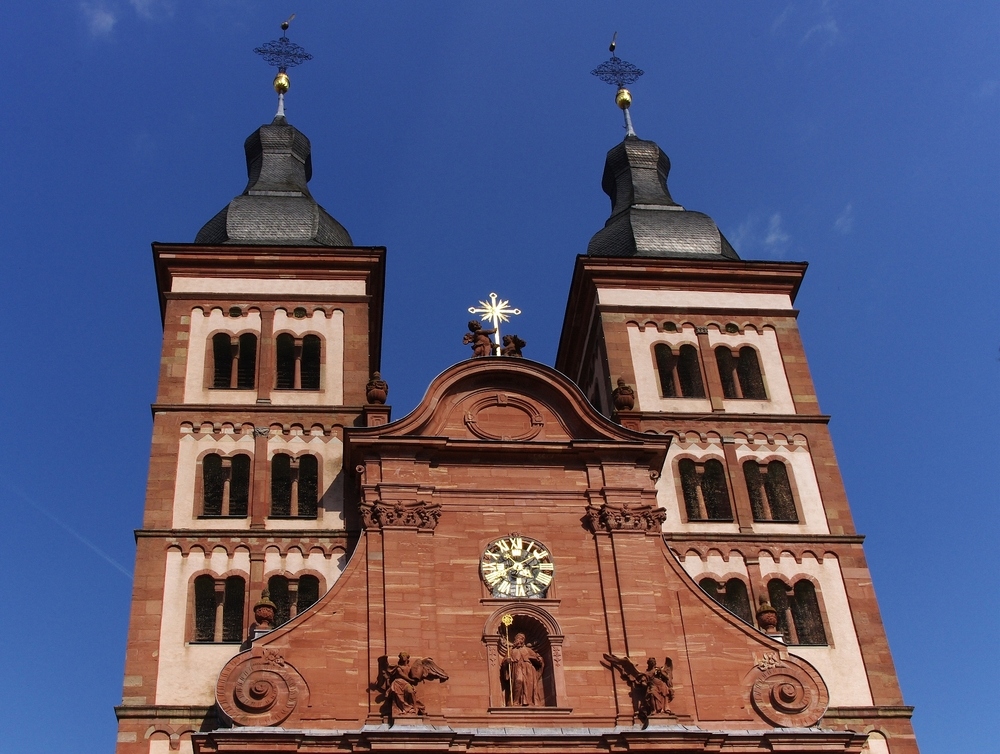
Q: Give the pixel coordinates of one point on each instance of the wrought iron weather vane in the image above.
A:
(495, 311)
(621, 73)
(282, 53)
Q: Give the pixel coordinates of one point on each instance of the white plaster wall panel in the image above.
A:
(841, 663)
(331, 331)
(670, 497)
(295, 563)
(876, 744)
(638, 298)
(186, 673)
(268, 286)
(202, 323)
(805, 487)
(330, 510)
(161, 745)
(647, 383)
(771, 366)
(716, 566)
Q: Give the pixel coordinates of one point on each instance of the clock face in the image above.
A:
(516, 566)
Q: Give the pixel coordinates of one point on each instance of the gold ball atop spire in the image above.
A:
(624, 98)
(281, 83)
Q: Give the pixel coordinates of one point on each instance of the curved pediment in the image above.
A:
(498, 399)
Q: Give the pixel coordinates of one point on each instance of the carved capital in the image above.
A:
(421, 516)
(641, 519)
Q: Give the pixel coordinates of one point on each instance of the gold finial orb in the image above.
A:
(281, 83)
(624, 98)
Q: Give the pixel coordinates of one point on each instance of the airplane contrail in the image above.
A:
(69, 530)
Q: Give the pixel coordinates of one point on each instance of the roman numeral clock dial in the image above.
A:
(517, 566)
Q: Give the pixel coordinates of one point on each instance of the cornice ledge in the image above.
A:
(775, 539)
(159, 712)
(882, 710)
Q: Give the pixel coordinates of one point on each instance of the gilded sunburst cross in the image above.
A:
(495, 311)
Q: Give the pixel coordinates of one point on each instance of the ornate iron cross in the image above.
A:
(495, 311)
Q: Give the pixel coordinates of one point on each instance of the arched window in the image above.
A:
(235, 361)
(218, 609)
(770, 492)
(680, 373)
(706, 497)
(292, 595)
(298, 362)
(740, 373)
(732, 595)
(805, 614)
(294, 486)
(799, 618)
(225, 485)
(308, 592)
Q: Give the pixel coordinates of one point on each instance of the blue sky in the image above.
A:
(469, 138)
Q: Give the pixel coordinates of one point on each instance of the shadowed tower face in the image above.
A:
(647, 547)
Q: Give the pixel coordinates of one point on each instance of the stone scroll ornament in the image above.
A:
(787, 692)
(639, 518)
(652, 689)
(399, 682)
(260, 689)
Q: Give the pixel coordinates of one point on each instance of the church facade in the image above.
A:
(645, 547)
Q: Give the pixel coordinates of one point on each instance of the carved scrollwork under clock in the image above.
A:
(787, 693)
(262, 689)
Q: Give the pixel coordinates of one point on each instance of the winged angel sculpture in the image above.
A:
(652, 689)
(399, 682)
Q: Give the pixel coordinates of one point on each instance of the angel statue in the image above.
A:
(479, 339)
(521, 674)
(399, 682)
(652, 689)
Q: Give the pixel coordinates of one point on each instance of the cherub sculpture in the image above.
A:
(399, 682)
(512, 346)
(479, 339)
(652, 689)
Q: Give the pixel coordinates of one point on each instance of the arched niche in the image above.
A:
(544, 635)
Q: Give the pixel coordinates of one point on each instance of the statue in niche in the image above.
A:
(652, 689)
(521, 674)
(512, 346)
(479, 339)
(399, 682)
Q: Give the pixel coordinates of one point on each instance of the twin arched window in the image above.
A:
(235, 360)
(770, 491)
(706, 497)
(218, 609)
(740, 373)
(226, 483)
(732, 595)
(799, 617)
(679, 372)
(294, 485)
(292, 595)
(298, 362)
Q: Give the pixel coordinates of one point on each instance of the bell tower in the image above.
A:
(669, 332)
(272, 329)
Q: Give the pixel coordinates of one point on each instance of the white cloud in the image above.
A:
(99, 18)
(844, 223)
(816, 18)
(776, 238)
(151, 9)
